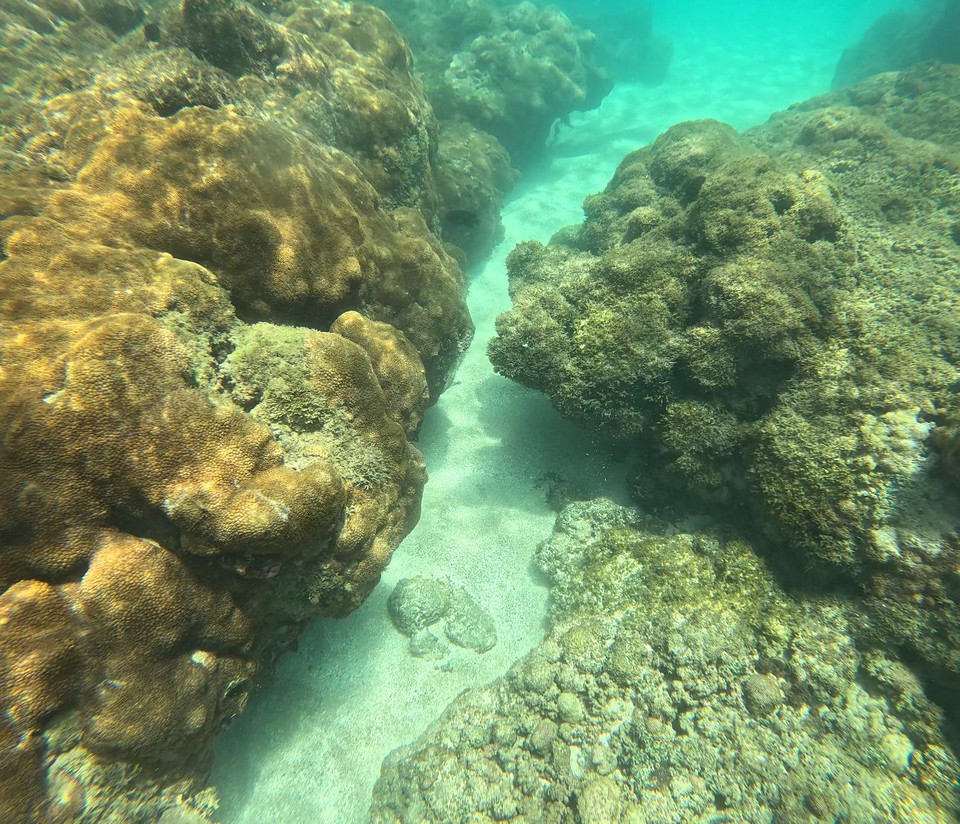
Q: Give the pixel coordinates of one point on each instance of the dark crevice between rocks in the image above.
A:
(942, 690)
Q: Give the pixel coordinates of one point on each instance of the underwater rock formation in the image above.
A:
(499, 76)
(679, 682)
(770, 325)
(418, 604)
(901, 39)
(511, 71)
(223, 315)
(473, 174)
(627, 48)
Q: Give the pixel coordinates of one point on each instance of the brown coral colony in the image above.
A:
(166, 525)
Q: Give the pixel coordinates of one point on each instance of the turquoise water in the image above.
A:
(311, 745)
(687, 545)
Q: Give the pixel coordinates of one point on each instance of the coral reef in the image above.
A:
(627, 47)
(334, 73)
(509, 70)
(223, 314)
(769, 324)
(499, 76)
(679, 682)
(338, 74)
(900, 39)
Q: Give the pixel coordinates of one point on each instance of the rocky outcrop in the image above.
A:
(223, 313)
(628, 46)
(680, 682)
(901, 39)
(768, 323)
(510, 71)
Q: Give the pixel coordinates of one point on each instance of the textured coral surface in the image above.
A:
(769, 324)
(508, 70)
(679, 682)
(223, 313)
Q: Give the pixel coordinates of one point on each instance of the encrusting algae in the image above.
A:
(679, 682)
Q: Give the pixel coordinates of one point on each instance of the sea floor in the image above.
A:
(309, 747)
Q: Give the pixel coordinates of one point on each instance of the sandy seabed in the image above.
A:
(310, 746)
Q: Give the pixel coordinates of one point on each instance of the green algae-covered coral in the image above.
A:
(769, 322)
(680, 682)
(221, 327)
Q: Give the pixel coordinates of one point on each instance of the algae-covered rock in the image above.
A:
(679, 682)
(417, 604)
(508, 70)
(469, 625)
(223, 312)
(769, 324)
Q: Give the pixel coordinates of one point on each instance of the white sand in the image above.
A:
(309, 748)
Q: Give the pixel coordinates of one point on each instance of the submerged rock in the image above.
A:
(627, 47)
(508, 70)
(901, 39)
(223, 314)
(469, 625)
(499, 77)
(474, 173)
(769, 324)
(424, 644)
(679, 682)
(419, 603)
